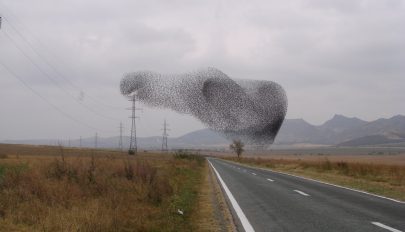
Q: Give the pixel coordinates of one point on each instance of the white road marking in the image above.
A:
(302, 193)
(245, 222)
(270, 179)
(253, 173)
(334, 185)
(385, 227)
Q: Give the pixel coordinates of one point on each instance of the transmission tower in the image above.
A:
(95, 141)
(120, 139)
(133, 148)
(164, 136)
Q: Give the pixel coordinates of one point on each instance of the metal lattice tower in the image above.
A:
(164, 136)
(96, 141)
(133, 148)
(120, 146)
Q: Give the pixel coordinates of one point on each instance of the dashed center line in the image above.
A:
(302, 193)
(385, 227)
(253, 173)
(270, 180)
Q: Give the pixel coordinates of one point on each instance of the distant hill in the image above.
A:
(340, 123)
(197, 139)
(201, 137)
(339, 130)
(297, 131)
(372, 140)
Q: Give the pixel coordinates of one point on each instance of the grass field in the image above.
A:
(379, 174)
(45, 188)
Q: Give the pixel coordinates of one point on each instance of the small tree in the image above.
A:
(237, 147)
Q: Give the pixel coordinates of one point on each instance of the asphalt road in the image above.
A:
(271, 201)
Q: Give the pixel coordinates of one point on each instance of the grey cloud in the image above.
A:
(334, 53)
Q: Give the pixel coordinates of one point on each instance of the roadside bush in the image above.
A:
(181, 154)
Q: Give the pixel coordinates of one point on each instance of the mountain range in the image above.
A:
(338, 131)
(344, 131)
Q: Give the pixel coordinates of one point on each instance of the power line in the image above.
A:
(120, 146)
(96, 141)
(36, 92)
(164, 136)
(53, 80)
(45, 99)
(46, 61)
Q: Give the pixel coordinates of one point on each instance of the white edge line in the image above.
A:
(253, 173)
(270, 179)
(334, 185)
(242, 217)
(302, 193)
(385, 227)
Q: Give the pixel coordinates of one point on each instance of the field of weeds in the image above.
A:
(383, 178)
(57, 189)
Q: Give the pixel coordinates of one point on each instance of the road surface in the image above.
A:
(263, 200)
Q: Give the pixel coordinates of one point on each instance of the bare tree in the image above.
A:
(237, 147)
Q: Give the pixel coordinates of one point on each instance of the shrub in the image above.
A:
(181, 154)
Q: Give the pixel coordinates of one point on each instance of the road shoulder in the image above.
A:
(214, 213)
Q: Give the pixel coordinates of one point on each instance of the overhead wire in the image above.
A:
(53, 80)
(94, 99)
(61, 75)
(56, 83)
(55, 107)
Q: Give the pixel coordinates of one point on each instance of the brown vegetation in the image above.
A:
(385, 179)
(86, 190)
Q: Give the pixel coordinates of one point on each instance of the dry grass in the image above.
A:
(213, 213)
(316, 157)
(380, 178)
(54, 189)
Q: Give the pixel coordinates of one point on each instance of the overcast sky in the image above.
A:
(331, 57)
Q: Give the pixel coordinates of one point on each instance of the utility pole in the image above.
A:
(69, 142)
(133, 148)
(95, 141)
(80, 141)
(120, 146)
(164, 136)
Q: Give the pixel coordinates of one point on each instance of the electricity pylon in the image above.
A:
(164, 136)
(133, 147)
(120, 146)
